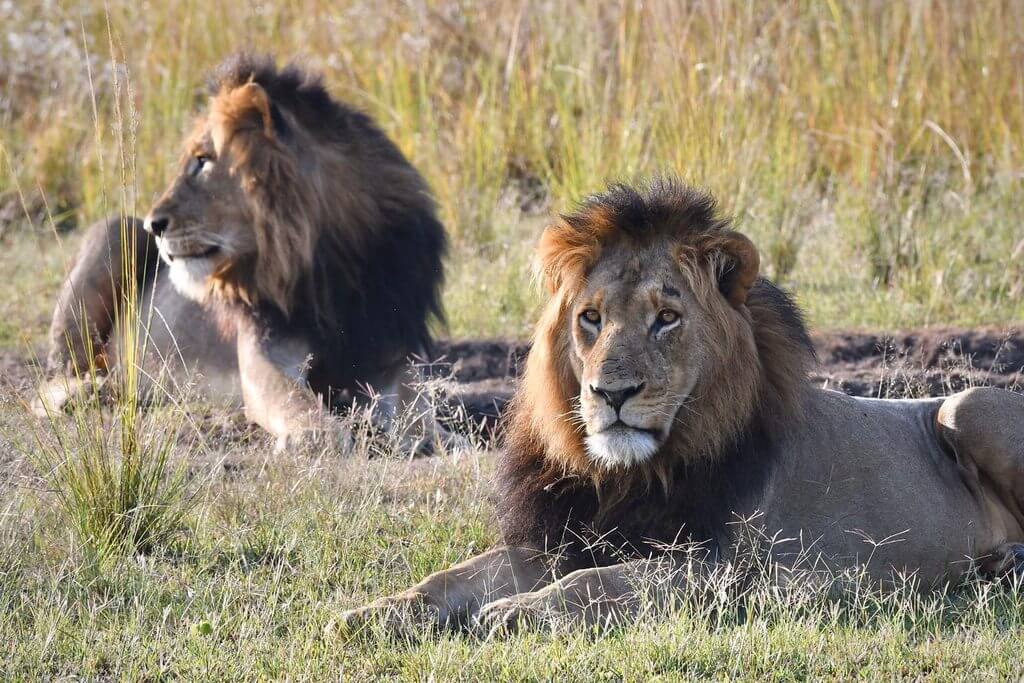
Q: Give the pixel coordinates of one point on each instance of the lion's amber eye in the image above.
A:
(591, 316)
(667, 317)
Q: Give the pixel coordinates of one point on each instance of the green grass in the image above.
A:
(113, 477)
(277, 547)
(873, 150)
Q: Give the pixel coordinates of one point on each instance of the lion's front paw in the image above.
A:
(403, 615)
(60, 393)
(508, 615)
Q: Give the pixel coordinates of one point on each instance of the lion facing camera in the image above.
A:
(666, 398)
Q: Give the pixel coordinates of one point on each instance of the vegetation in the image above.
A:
(277, 546)
(873, 150)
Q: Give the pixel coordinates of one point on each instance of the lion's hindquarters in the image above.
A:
(985, 429)
(988, 425)
(870, 483)
(91, 296)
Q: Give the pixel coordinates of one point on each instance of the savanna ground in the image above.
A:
(873, 150)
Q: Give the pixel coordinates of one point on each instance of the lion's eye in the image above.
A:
(591, 317)
(198, 163)
(666, 318)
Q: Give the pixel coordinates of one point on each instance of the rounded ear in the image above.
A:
(739, 266)
(240, 110)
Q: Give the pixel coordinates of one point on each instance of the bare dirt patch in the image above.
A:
(913, 363)
(481, 373)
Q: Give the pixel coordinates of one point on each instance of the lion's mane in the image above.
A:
(349, 245)
(550, 491)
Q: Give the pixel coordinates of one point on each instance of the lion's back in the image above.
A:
(868, 478)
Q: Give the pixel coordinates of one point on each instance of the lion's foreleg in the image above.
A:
(453, 596)
(273, 378)
(599, 596)
(405, 405)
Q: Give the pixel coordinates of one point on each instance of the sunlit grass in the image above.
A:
(117, 487)
(277, 548)
(873, 150)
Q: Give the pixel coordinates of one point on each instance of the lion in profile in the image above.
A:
(666, 397)
(294, 262)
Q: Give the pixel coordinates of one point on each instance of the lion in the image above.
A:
(666, 398)
(294, 264)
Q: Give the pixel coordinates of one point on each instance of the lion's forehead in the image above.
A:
(630, 283)
(199, 139)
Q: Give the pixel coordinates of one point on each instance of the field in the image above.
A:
(873, 150)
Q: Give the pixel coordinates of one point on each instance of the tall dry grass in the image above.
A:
(872, 148)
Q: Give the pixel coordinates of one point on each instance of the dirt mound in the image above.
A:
(915, 363)
(928, 362)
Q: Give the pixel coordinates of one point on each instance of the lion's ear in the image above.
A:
(737, 263)
(245, 109)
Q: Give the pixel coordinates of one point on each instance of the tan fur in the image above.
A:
(747, 339)
(548, 388)
(281, 202)
(893, 488)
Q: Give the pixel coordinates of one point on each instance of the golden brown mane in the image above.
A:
(282, 202)
(761, 350)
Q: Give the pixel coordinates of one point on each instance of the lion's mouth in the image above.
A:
(620, 424)
(172, 256)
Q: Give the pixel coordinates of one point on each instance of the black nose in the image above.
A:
(616, 397)
(158, 225)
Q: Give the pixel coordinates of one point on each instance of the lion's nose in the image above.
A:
(616, 397)
(157, 224)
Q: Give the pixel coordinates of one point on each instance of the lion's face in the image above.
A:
(239, 219)
(659, 343)
(639, 346)
(202, 223)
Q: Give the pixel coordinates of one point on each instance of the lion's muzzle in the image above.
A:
(620, 431)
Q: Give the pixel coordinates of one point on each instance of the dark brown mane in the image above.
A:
(347, 227)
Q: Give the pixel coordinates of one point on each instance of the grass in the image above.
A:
(873, 151)
(277, 546)
(112, 478)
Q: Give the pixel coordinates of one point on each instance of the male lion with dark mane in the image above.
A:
(666, 397)
(293, 262)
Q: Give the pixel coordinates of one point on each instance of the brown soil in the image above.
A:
(930, 362)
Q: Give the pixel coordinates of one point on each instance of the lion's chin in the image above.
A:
(191, 276)
(620, 446)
